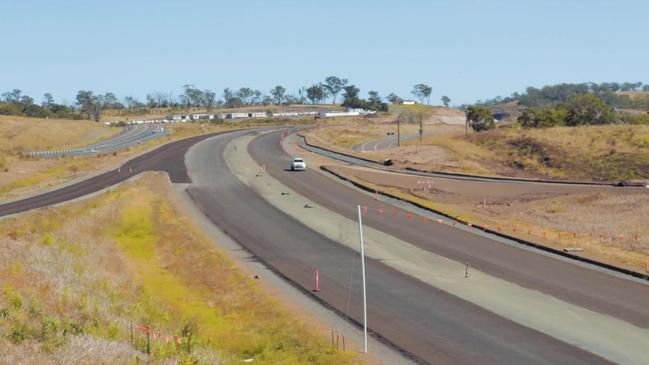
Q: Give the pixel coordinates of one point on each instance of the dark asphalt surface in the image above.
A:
(169, 158)
(427, 323)
(589, 288)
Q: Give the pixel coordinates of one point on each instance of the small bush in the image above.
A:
(18, 333)
(48, 239)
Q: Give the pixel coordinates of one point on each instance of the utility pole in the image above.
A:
(398, 132)
(421, 128)
(360, 232)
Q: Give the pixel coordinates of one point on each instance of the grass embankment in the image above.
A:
(349, 136)
(609, 153)
(76, 278)
(605, 153)
(608, 226)
(21, 134)
(597, 153)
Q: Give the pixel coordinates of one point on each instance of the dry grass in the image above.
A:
(599, 153)
(75, 277)
(19, 134)
(592, 152)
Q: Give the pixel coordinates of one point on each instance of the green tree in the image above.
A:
(48, 101)
(394, 98)
(374, 102)
(589, 109)
(191, 97)
(316, 93)
(209, 99)
(446, 100)
(350, 97)
(88, 104)
(278, 94)
(480, 118)
(334, 85)
(245, 94)
(13, 96)
(422, 91)
(537, 118)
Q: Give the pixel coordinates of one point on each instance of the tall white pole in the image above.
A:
(360, 232)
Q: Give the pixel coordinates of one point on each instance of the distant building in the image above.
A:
(408, 102)
(286, 114)
(236, 115)
(349, 113)
(201, 116)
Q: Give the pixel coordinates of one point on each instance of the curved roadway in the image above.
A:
(430, 325)
(168, 158)
(129, 136)
(592, 288)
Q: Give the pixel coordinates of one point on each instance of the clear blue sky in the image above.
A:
(467, 50)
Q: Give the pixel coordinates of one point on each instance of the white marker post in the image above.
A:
(360, 232)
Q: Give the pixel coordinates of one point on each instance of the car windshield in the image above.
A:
(298, 160)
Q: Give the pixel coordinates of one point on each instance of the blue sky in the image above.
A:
(467, 50)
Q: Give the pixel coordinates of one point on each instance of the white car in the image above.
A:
(298, 164)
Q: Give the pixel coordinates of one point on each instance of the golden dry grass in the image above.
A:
(19, 134)
(600, 153)
(75, 277)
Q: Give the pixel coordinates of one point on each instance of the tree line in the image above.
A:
(91, 105)
(580, 110)
(550, 96)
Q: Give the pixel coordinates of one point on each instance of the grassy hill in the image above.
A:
(602, 153)
(19, 134)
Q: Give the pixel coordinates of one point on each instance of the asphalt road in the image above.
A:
(429, 324)
(129, 136)
(587, 287)
(168, 157)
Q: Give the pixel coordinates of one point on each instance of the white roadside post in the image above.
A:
(360, 232)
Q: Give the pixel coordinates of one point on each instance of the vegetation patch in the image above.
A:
(122, 278)
(600, 153)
